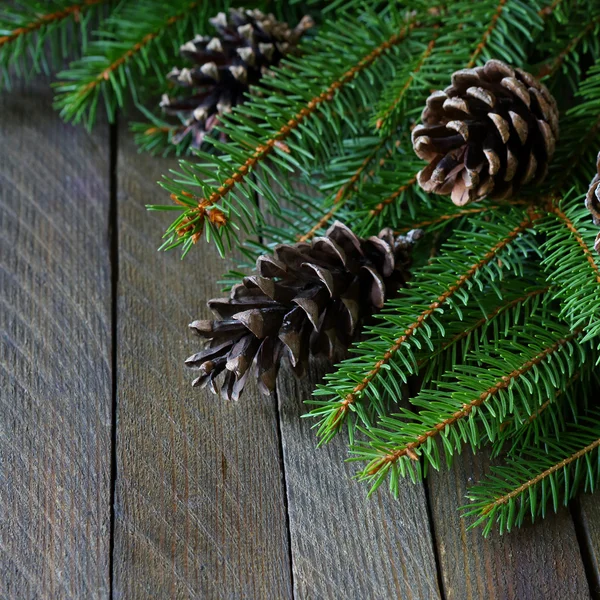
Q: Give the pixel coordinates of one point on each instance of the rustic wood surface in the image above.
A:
(211, 499)
(586, 511)
(536, 562)
(55, 353)
(343, 544)
(200, 508)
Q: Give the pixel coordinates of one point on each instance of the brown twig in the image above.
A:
(486, 34)
(408, 82)
(462, 213)
(549, 68)
(553, 208)
(540, 477)
(465, 411)
(411, 329)
(43, 20)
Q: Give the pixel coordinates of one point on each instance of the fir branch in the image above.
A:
(246, 162)
(550, 68)
(486, 35)
(393, 197)
(338, 203)
(463, 338)
(385, 116)
(531, 482)
(377, 356)
(43, 20)
(254, 135)
(131, 43)
(445, 409)
(344, 191)
(574, 164)
(459, 213)
(28, 26)
(556, 210)
(570, 263)
(552, 417)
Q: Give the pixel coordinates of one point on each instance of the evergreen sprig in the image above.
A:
(36, 36)
(497, 334)
(506, 310)
(315, 98)
(130, 54)
(539, 479)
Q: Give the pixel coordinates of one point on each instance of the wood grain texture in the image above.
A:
(537, 562)
(55, 373)
(343, 544)
(200, 509)
(587, 509)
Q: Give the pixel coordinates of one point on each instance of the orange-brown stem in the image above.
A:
(486, 35)
(408, 82)
(59, 15)
(411, 329)
(553, 469)
(553, 208)
(493, 314)
(467, 408)
(392, 197)
(462, 213)
(551, 67)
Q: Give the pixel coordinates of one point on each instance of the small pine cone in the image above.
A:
(592, 200)
(247, 44)
(306, 298)
(491, 132)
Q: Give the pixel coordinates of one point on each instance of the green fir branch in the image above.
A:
(138, 42)
(572, 264)
(511, 377)
(313, 99)
(534, 483)
(558, 411)
(37, 36)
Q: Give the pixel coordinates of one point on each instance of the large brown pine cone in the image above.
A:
(592, 200)
(248, 43)
(306, 298)
(491, 132)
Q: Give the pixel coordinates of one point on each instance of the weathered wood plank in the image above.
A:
(343, 544)
(200, 501)
(588, 507)
(537, 562)
(55, 365)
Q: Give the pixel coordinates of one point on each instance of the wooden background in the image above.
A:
(118, 480)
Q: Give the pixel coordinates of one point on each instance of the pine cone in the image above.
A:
(306, 298)
(592, 200)
(491, 132)
(247, 44)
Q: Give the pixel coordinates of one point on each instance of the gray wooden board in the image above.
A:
(345, 545)
(588, 509)
(537, 562)
(55, 365)
(200, 509)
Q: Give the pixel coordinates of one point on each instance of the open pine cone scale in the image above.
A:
(491, 132)
(224, 67)
(305, 299)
